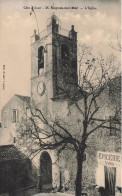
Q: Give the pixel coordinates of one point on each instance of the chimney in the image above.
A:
(72, 33)
(35, 35)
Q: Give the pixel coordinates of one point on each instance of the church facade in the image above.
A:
(53, 56)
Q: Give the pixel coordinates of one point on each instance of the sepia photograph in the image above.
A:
(60, 98)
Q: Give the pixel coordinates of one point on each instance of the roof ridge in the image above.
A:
(6, 145)
(22, 95)
(23, 98)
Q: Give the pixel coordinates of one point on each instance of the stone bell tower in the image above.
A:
(53, 75)
(53, 62)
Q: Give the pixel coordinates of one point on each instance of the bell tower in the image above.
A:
(53, 73)
(53, 63)
(64, 61)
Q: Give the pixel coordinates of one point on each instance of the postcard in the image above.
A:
(60, 89)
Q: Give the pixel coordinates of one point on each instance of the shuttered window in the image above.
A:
(5, 119)
(15, 116)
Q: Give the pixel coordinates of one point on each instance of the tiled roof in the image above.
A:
(10, 152)
(24, 98)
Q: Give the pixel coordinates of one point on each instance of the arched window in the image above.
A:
(64, 54)
(40, 58)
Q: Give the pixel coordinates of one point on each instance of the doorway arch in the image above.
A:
(46, 168)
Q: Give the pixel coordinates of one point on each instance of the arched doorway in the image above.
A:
(46, 169)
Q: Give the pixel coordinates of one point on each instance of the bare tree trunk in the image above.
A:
(78, 190)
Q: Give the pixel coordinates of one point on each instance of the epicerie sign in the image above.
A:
(109, 159)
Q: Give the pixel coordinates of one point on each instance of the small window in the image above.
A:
(40, 58)
(5, 119)
(15, 116)
(14, 140)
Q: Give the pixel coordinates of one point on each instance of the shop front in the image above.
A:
(108, 172)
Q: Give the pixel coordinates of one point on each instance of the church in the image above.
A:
(54, 72)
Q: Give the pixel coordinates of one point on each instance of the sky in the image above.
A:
(96, 21)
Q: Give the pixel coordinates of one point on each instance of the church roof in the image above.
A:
(23, 98)
(10, 152)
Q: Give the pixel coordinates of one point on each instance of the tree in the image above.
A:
(71, 131)
(117, 45)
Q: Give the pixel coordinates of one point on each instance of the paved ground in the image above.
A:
(27, 192)
(35, 192)
(53, 194)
